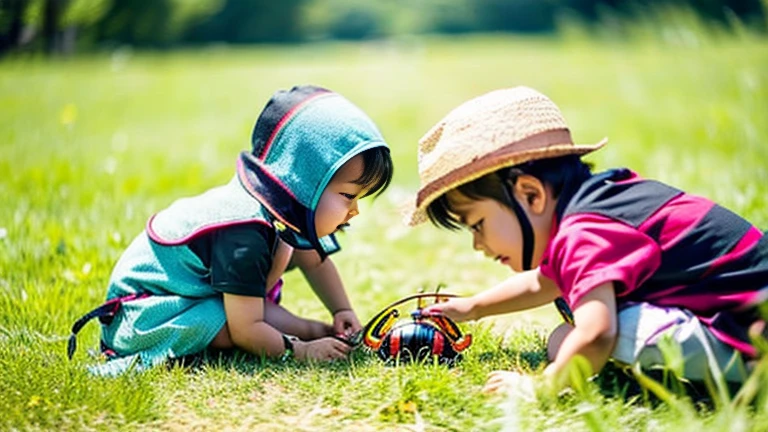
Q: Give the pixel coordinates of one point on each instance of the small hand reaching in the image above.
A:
(345, 323)
(324, 349)
(457, 309)
(510, 383)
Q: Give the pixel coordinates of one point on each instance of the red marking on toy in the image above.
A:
(416, 339)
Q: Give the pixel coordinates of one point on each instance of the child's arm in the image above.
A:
(326, 283)
(249, 330)
(522, 291)
(594, 333)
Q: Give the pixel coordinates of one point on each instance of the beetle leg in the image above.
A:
(462, 344)
(458, 341)
(447, 326)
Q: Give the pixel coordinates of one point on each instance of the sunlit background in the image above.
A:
(110, 110)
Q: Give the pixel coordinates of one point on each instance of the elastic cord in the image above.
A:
(525, 226)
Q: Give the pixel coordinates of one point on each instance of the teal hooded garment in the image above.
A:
(302, 137)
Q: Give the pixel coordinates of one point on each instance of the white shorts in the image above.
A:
(642, 326)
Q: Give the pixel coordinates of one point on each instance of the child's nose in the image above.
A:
(476, 244)
(353, 211)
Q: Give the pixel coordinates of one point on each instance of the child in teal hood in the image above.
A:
(206, 271)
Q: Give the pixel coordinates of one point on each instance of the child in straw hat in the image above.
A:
(206, 271)
(634, 259)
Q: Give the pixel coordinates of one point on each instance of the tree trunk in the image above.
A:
(52, 32)
(15, 10)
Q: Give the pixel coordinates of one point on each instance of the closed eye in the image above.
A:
(349, 196)
(476, 226)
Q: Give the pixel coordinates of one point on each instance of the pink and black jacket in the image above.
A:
(662, 246)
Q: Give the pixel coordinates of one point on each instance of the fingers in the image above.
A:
(446, 306)
(434, 309)
(512, 383)
(339, 327)
(340, 346)
(346, 327)
(491, 387)
(497, 380)
(337, 351)
(330, 348)
(346, 322)
(353, 327)
(350, 340)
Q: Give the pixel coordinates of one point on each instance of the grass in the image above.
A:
(92, 146)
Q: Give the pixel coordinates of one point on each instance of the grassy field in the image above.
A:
(91, 147)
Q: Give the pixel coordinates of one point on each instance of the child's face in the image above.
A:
(494, 227)
(338, 204)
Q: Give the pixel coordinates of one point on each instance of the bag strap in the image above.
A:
(105, 313)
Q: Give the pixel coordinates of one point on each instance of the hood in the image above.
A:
(302, 137)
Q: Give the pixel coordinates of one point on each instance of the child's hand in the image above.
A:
(511, 383)
(324, 349)
(345, 323)
(457, 309)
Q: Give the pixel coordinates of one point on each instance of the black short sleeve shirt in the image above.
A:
(239, 258)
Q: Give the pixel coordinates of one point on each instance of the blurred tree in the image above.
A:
(723, 10)
(56, 21)
(78, 19)
(453, 16)
(720, 10)
(249, 21)
(59, 23)
(517, 15)
(53, 33)
(152, 22)
(345, 19)
(11, 23)
(356, 22)
(351, 19)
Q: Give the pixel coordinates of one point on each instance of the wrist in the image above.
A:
(473, 310)
(341, 309)
(289, 347)
(299, 349)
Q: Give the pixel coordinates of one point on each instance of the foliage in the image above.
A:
(166, 23)
(152, 22)
(249, 21)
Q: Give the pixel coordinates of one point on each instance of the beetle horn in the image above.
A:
(379, 326)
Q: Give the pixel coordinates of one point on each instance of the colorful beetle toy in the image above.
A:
(416, 339)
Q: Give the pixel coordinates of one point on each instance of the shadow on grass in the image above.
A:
(617, 382)
(512, 358)
(250, 364)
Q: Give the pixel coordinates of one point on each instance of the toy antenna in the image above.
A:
(437, 291)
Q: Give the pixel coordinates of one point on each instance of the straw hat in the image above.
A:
(499, 129)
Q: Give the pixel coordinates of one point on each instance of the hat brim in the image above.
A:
(415, 210)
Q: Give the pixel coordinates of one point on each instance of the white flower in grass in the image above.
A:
(3, 233)
(69, 276)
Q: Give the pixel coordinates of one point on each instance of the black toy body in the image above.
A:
(419, 338)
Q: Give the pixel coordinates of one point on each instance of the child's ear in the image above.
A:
(531, 192)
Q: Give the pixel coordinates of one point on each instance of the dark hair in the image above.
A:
(558, 173)
(377, 170)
